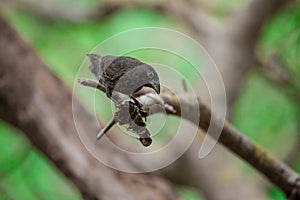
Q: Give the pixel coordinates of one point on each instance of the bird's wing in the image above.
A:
(120, 67)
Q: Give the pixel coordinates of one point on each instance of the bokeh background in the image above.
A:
(264, 111)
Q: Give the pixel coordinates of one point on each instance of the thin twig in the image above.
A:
(105, 129)
(91, 83)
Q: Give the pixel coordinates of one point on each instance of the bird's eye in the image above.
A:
(150, 74)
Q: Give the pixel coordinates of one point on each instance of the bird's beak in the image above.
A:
(156, 87)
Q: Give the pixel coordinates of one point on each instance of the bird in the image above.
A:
(126, 75)
(123, 74)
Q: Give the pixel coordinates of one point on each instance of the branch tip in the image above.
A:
(106, 129)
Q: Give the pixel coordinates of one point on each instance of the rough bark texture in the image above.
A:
(39, 104)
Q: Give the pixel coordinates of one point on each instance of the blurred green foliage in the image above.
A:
(262, 112)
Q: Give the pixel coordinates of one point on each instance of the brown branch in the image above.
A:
(39, 104)
(276, 171)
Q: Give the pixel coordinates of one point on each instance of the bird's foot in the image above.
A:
(142, 112)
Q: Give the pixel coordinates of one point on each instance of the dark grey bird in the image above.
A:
(123, 74)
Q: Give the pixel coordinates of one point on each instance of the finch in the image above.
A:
(123, 74)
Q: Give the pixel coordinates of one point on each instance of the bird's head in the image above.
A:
(142, 75)
(152, 79)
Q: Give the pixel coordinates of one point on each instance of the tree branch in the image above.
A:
(275, 170)
(39, 104)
